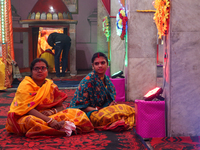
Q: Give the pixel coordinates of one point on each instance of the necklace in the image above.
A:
(102, 78)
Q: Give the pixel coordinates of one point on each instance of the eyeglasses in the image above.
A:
(102, 63)
(40, 68)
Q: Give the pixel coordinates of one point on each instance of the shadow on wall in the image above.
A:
(81, 60)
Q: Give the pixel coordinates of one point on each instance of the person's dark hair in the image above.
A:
(98, 54)
(38, 60)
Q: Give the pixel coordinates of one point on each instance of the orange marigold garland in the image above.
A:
(161, 16)
(106, 27)
(121, 23)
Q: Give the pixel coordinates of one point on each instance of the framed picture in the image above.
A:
(72, 5)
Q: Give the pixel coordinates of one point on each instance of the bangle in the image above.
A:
(50, 120)
(96, 108)
(55, 110)
(51, 111)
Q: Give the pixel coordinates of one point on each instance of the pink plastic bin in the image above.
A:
(119, 84)
(108, 71)
(150, 118)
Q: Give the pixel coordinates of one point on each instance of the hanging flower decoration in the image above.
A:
(121, 24)
(106, 27)
(161, 16)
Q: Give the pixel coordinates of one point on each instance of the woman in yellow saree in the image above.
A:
(95, 95)
(37, 108)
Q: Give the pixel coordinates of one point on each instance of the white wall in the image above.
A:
(181, 69)
(86, 35)
(23, 7)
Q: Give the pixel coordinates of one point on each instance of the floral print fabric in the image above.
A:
(92, 92)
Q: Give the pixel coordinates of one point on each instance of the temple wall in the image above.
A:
(102, 45)
(181, 69)
(142, 47)
(117, 45)
(86, 41)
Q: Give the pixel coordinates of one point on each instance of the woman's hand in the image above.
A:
(57, 125)
(52, 123)
(89, 108)
(113, 103)
(47, 112)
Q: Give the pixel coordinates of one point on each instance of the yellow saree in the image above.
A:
(29, 96)
(116, 118)
(92, 92)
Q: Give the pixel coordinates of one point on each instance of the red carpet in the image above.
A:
(96, 140)
(176, 143)
(99, 140)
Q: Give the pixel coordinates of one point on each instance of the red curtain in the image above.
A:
(107, 5)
